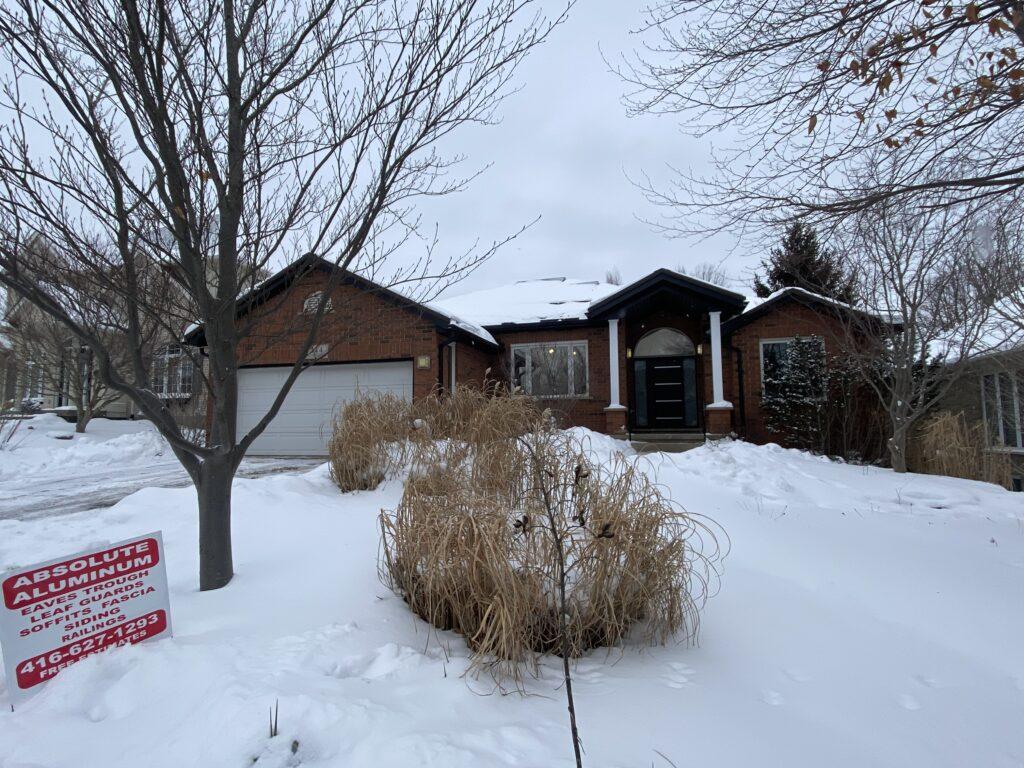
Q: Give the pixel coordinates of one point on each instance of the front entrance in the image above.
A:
(664, 393)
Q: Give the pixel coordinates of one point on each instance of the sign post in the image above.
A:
(59, 612)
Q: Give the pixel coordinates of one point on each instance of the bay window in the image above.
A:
(551, 369)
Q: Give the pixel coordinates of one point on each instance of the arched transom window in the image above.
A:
(664, 342)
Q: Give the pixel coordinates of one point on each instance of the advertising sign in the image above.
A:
(59, 612)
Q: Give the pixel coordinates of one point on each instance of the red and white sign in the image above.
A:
(59, 612)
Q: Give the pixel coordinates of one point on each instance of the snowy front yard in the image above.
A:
(864, 619)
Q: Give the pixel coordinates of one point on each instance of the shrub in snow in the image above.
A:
(821, 404)
(368, 440)
(8, 430)
(375, 434)
(526, 547)
(945, 444)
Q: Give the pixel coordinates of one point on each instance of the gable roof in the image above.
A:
(311, 263)
(800, 296)
(666, 278)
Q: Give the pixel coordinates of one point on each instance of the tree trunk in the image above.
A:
(214, 488)
(898, 449)
(82, 419)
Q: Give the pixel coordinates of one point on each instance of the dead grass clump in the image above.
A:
(553, 530)
(370, 439)
(474, 415)
(377, 433)
(945, 444)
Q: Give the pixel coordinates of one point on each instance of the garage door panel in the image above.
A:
(302, 427)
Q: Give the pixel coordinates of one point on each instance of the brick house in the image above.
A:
(668, 357)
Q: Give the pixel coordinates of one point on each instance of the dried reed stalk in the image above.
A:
(945, 444)
(478, 544)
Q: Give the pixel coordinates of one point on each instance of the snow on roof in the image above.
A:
(753, 302)
(527, 301)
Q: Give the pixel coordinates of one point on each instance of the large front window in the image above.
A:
(1001, 402)
(173, 372)
(791, 366)
(551, 369)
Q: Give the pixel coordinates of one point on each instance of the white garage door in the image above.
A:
(303, 425)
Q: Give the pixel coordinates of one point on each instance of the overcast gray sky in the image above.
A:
(565, 150)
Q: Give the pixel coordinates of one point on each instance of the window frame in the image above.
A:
(311, 303)
(569, 343)
(163, 354)
(782, 340)
(1015, 385)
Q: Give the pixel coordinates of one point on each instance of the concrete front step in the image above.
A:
(668, 442)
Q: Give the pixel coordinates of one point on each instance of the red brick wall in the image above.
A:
(362, 326)
(789, 319)
(586, 411)
(472, 362)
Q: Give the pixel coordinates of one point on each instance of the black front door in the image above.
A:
(665, 393)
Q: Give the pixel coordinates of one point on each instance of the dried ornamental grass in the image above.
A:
(488, 564)
(369, 440)
(377, 433)
(945, 444)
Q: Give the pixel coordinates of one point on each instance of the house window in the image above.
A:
(76, 369)
(312, 303)
(1001, 404)
(173, 372)
(780, 358)
(317, 351)
(551, 369)
(33, 381)
(664, 342)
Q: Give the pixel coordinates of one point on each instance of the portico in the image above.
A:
(664, 332)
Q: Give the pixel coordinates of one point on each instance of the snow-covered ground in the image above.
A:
(48, 469)
(864, 619)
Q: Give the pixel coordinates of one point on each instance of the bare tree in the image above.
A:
(806, 91)
(222, 138)
(926, 317)
(67, 366)
(709, 272)
(997, 272)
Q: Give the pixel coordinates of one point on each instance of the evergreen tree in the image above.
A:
(795, 394)
(802, 262)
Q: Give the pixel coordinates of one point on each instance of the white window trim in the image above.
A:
(163, 353)
(568, 343)
(782, 340)
(1003, 447)
(312, 302)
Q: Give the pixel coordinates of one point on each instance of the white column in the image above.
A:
(613, 362)
(716, 357)
(451, 366)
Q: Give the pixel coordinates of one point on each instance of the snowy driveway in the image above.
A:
(83, 488)
(48, 470)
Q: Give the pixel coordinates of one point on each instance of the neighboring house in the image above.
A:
(8, 374)
(991, 394)
(665, 357)
(44, 384)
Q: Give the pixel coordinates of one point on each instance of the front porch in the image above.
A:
(666, 365)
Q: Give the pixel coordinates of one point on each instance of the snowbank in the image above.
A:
(47, 443)
(864, 619)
